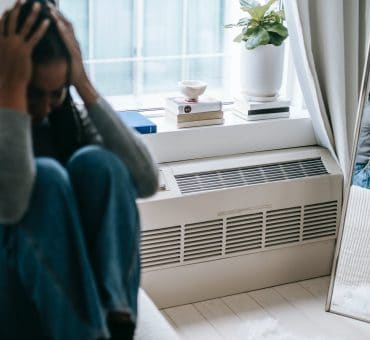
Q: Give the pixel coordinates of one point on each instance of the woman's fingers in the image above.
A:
(67, 35)
(32, 17)
(59, 15)
(3, 21)
(35, 38)
(13, 18)
(63, 30)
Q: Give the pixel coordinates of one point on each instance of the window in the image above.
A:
(142, 48)
(137, 47)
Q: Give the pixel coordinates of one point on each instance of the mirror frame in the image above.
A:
(365, 87)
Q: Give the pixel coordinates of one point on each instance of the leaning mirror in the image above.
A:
(349, 292)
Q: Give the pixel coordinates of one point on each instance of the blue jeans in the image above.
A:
(361, 175)
(74, 256)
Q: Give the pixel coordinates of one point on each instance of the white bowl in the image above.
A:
(192, 89)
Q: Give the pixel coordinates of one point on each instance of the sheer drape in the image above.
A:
(328, 40)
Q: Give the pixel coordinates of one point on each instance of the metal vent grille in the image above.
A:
(244, 233)
(283, 226)
(203, 240)
(160, 247)
(320, 220)
(228, 178)
(228, 236)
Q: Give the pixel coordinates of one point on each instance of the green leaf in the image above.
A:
(272, 18)
(243, 22)
(259, 37)
(245, 30)
(281, 14)
(261, 10)
(276, 39)
(252, 12)
(239, 38)
(248, 3)
(278, 29)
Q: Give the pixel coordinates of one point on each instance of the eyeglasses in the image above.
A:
(56, 97)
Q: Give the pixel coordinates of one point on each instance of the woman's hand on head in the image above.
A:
(78, 76)
(16, 48)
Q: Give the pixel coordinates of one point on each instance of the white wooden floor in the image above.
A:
(292, 311)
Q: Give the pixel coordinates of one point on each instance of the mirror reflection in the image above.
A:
(351, 280)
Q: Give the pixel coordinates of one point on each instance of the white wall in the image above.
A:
(4, 4)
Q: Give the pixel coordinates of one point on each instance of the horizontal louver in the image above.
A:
(160, 247)
(282, 226)
(219, 238)
(228, 178)
(244, 233)
(203, 240)
(320, 220)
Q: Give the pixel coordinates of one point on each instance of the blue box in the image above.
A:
(137, 121)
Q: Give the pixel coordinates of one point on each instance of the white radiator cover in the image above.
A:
(251, 228)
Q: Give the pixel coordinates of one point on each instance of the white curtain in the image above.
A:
(328, 40)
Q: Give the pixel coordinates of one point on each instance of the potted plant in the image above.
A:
(262, 53)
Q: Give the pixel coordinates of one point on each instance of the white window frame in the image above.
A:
(188, 144)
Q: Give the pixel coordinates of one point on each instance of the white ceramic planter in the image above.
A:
(261, 72)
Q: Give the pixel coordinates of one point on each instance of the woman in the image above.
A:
(361, 172)
(69, 228)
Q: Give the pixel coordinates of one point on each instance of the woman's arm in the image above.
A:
(119, 138)
(127, 145)
(17, 170)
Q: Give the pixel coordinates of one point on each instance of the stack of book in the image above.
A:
(251, 110)
(206, 111)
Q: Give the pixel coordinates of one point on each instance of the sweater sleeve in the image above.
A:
(126, 144)
(17, 170)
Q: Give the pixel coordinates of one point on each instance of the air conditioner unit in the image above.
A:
(222, 226)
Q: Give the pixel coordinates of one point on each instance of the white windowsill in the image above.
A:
(236, 136)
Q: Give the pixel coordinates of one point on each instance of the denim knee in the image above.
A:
(50, 174)
(91, 161)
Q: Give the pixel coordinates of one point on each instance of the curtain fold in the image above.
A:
(328, 40)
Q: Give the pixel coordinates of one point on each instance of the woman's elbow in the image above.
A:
(12, 212)
(149, 184)
(15, 196)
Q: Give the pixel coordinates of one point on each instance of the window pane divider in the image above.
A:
(156, 58)
(138, 66)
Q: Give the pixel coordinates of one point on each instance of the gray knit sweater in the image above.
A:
(17, 166)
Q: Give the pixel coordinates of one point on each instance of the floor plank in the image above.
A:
(318, 287)
(288, 312)
(291, 320)
(190, 324)
(222, 318)
(246, 308)
(168, 319)
(314, 310)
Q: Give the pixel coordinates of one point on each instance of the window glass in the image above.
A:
(112, 79)
(206, 19)
(78, 13)
(142, 48)
(162, 27)
(112, 30)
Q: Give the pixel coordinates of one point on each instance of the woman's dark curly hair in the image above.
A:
(51, 47)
